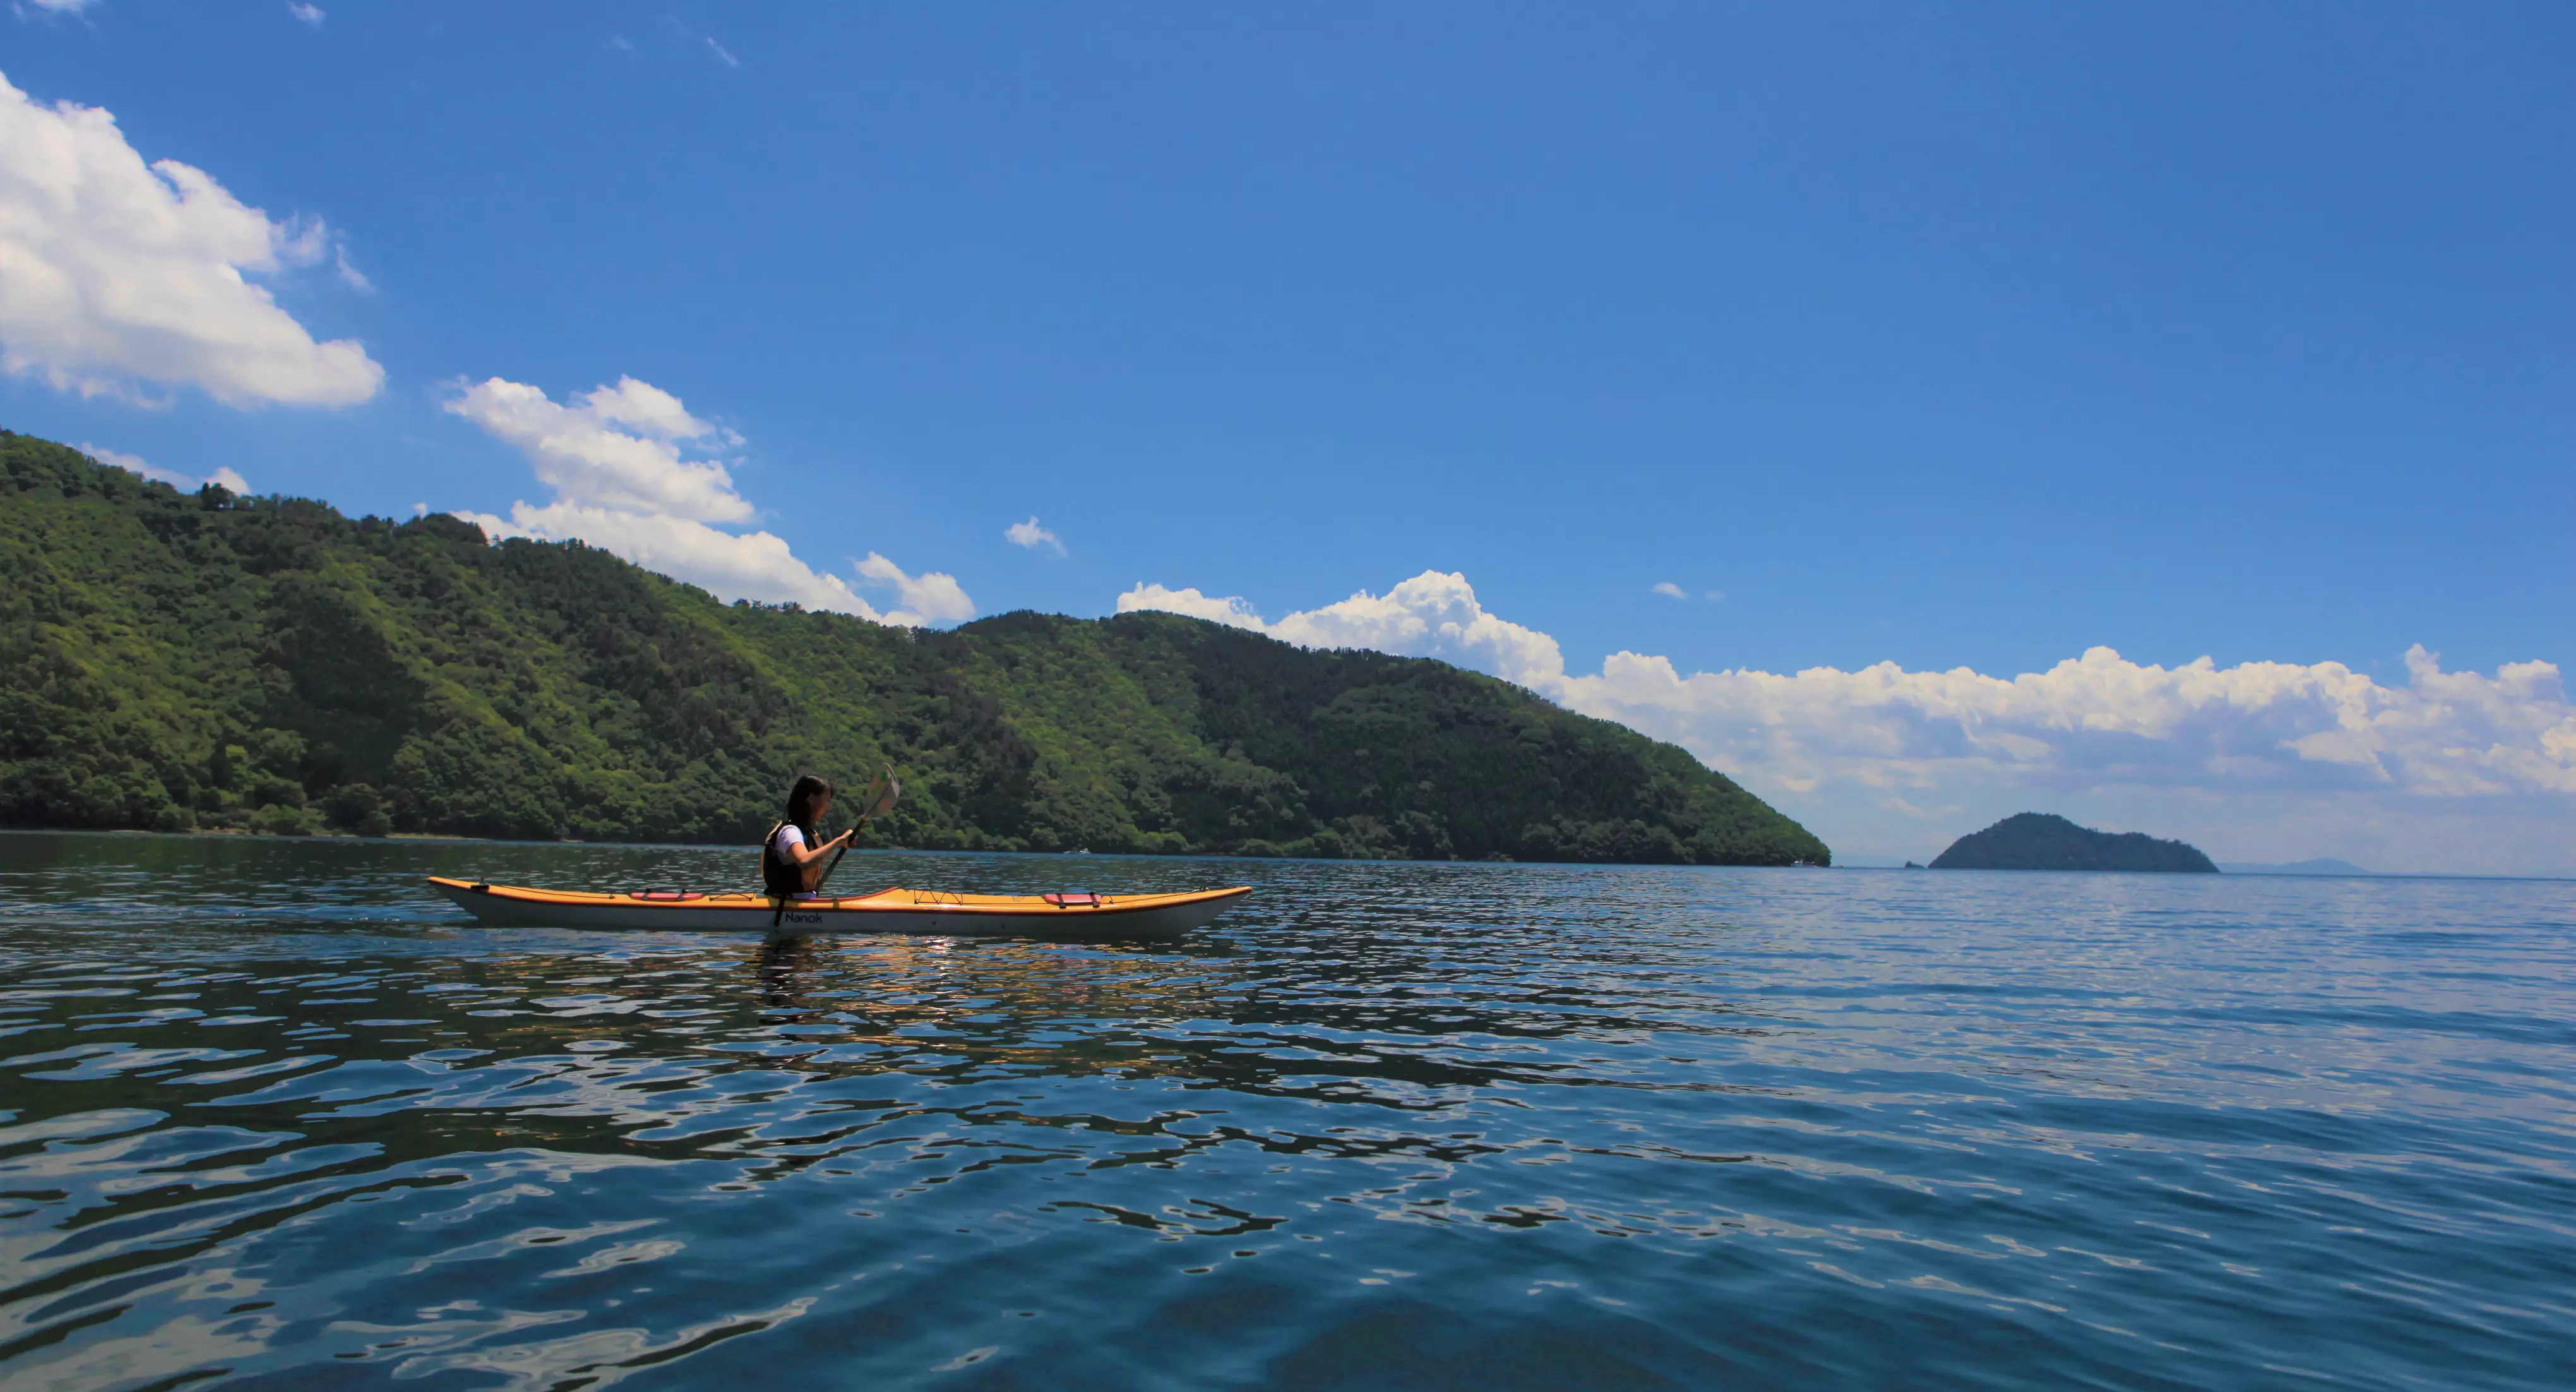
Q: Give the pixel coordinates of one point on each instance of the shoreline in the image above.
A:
(443, 838)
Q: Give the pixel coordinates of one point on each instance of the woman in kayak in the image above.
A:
(791, 856)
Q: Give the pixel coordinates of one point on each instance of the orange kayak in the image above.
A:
(1071, 915)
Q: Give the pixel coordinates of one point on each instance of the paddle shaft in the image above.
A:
(881, 798)
(845, 850)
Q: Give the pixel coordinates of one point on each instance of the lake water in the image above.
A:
(270, 1116)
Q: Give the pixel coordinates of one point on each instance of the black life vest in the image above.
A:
(778, 877)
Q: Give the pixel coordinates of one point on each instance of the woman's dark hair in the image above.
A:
(810, 789)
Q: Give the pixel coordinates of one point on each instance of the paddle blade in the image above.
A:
(884, 801)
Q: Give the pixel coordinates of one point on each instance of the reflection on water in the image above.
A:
(270, 1116)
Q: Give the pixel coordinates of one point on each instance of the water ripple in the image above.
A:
(271, 1119)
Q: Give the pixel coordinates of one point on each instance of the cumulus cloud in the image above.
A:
(618, 461)
(130, 463)
(308, 14)
(751, 565)
(2103, 718)
(1668, 588)
(185, 483)
(1929, 745)
(616, 448)
(1434, 614)
(1230, 610)
(1033, 536)
(115, 273)
(931, 598)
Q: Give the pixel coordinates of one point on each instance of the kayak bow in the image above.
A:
(1075, 915)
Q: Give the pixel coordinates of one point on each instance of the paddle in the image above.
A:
(881, 795)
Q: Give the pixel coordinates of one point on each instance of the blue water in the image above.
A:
(270, 1117)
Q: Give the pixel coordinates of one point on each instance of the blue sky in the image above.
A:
(1948, 337)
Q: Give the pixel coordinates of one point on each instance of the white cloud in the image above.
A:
(930, 598)
(1230, 610)
(114, 273)
(185, 483)
(616, 448)
(69, 7)
(130, 463)
(623, 483)
(1033, 536)
(1887, 753)
(1667, 587)
(754, 565)
(1434, 614)
(2102, 718)
(309, 14)
(722, 52)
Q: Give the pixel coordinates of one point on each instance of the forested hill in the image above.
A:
(203, 661)
(2045, 841)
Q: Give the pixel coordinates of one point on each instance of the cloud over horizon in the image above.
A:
(615, 459)
(115, 274)
(1434, 614)
(1930, 746)
(185, 483)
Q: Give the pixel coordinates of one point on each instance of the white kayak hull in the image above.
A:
(935, 913)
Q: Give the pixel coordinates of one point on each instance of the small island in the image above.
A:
(2045, 841)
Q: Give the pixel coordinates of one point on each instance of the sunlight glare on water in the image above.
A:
(270, 1115)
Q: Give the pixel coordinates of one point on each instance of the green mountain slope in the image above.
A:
(180, 661)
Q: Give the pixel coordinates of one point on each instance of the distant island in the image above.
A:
(2045, 841)
(206, 662)
(2322, 866)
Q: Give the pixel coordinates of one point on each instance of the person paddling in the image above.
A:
(791, 856)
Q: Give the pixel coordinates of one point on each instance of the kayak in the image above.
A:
(934, 911)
